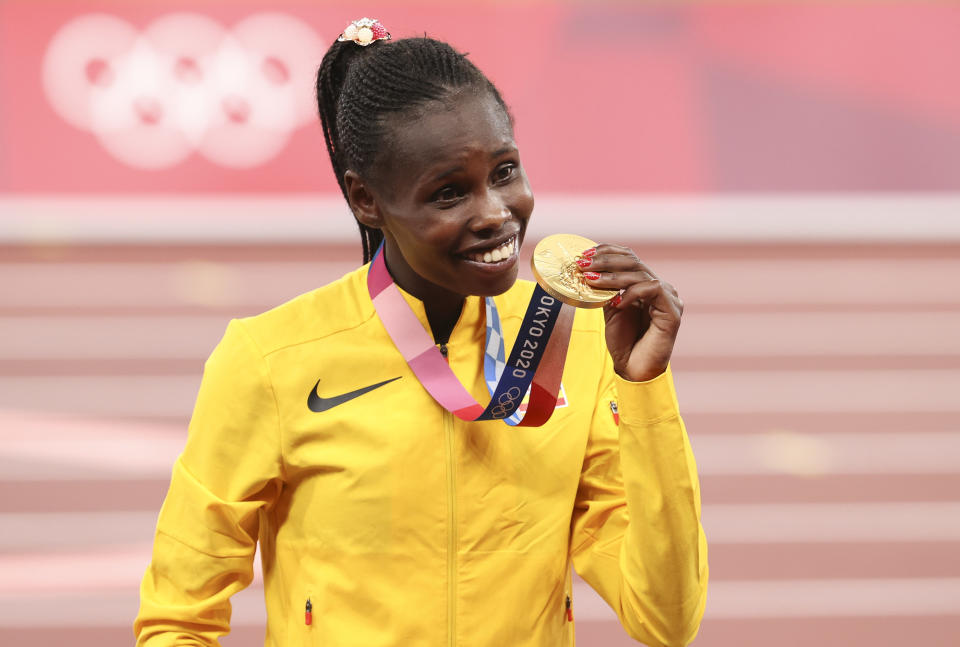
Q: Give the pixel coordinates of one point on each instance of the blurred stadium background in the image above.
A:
(794, 168)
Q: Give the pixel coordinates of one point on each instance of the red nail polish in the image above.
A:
(584, 262)
(615, 301)
(591, 276)
(590, 252)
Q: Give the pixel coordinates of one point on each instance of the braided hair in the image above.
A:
(359, 88)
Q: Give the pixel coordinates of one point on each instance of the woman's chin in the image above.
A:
(488, 279)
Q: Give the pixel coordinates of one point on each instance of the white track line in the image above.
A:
(155, 285)
(838, 598)
(726, 599)
(157, 395)
(791, 217)
(834, 334)
(104, 569)
(775, 391)
(143, 338)
(767, 523)
(762, 282)
(875, 598)
(732, 523)
(784, 452)
(90, 569)
(45, 447)
(778, 391)
(35, 532)
(116, 608)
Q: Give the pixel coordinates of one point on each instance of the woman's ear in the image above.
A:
(361, 200)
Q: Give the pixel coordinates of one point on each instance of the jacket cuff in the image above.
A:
(647, 402)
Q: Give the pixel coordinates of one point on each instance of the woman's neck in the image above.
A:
(442, 320)
(442, 306)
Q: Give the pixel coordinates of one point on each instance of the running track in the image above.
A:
(820, 384)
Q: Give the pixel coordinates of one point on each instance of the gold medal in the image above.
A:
(555, 267)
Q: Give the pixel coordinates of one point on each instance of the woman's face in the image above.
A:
(452, 199)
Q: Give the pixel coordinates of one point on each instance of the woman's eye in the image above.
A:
(446, 194)
(504, 172)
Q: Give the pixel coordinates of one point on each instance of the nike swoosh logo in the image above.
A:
(319, 405)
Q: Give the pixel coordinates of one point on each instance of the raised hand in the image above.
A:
(642, 322)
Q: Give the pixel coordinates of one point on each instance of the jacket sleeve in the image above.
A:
(229, 471)
(636, 535)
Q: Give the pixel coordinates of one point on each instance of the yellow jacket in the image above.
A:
(406, 526)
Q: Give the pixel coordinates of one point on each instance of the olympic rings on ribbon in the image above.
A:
(507, 403)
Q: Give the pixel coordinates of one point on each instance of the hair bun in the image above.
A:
(364, 31)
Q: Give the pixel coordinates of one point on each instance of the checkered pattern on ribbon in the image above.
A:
(495, 356)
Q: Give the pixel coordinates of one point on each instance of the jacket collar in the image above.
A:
(470, 327)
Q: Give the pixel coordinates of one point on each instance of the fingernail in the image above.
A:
(584, 262)
(591, 276)
(590, 252)
(615, 301)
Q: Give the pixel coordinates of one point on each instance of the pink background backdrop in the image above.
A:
(608, 96)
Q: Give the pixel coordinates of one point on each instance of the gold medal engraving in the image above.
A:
(555, 267)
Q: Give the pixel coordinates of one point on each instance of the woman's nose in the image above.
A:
(492, 214)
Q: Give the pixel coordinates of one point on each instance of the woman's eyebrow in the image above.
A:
(447, 173)
(458, 169)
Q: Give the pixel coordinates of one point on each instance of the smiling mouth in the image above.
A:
(496, 254)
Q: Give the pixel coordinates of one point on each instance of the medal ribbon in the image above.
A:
(535, 363)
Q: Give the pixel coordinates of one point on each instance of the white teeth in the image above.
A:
(501, 253)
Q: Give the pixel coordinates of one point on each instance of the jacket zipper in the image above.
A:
(452, 534)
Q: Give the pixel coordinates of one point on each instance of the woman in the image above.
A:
(384, 519)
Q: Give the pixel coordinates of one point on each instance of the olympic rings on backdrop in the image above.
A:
(185, 84)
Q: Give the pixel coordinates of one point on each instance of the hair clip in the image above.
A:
(364, 32)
